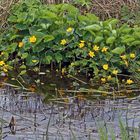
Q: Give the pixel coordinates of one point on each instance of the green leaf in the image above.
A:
(111, 22)
(118, 50)
(72, 10)
(48, 59)
(49, 15)
(137, 35)
(128, 39)
(24, 55)
(126, 30)
(48, 38)
(110, 40)
(92, 17)
(38, 48)
(12, 18)
(94, 27)
(32, 60)
(20, 26)
(22, 72)
(22, 16)
(58, 57)
(11, 48)
(98, 39)
(14, 37)
(135, 43)
(22, 67)
(82, 18)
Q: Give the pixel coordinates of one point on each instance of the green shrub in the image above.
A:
(59, 34)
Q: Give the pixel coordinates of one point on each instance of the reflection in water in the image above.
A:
(63, 119)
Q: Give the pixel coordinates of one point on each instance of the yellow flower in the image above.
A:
(20, 44)
(129, 81)
(34, 61)
(69, 29)
(104, 49)
(103, 80)
(63, 42)
(82, 41)
(105, 66)
(32, 39)
(109, 77)
(2, 63)
(123, 57)
(81, 45)
(5, 70)
(96, 48)
(115, 72)
(132, 55)
(91, 54)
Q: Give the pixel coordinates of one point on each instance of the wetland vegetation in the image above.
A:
(69, 66)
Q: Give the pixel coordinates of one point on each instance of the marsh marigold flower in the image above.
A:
(123, 57)
(20, 44)
(105, 66)
(81, 44)
(69, 29)
(63, 42)
(32, 39)
(104, 49)
(132, 55)
(96, 48)
(2, 63)
(103, 80)
(91, 54)
(129, 82)
(115, 72)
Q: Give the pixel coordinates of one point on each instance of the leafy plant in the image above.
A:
(60, 35)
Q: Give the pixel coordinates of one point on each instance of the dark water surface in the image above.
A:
(60, 111)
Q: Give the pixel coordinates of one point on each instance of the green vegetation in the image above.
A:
(72, 42)
(107, 132)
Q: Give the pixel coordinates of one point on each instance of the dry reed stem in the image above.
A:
(5, 7)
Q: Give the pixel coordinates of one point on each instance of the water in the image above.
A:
(58, 119)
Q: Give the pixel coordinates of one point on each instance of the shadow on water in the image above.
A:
(61, 108)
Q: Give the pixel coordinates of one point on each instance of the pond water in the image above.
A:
(29, 116)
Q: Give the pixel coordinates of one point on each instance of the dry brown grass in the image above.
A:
(112, 8)
(5, 6)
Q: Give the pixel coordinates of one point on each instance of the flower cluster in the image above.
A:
(72, 42)
(4, 67)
